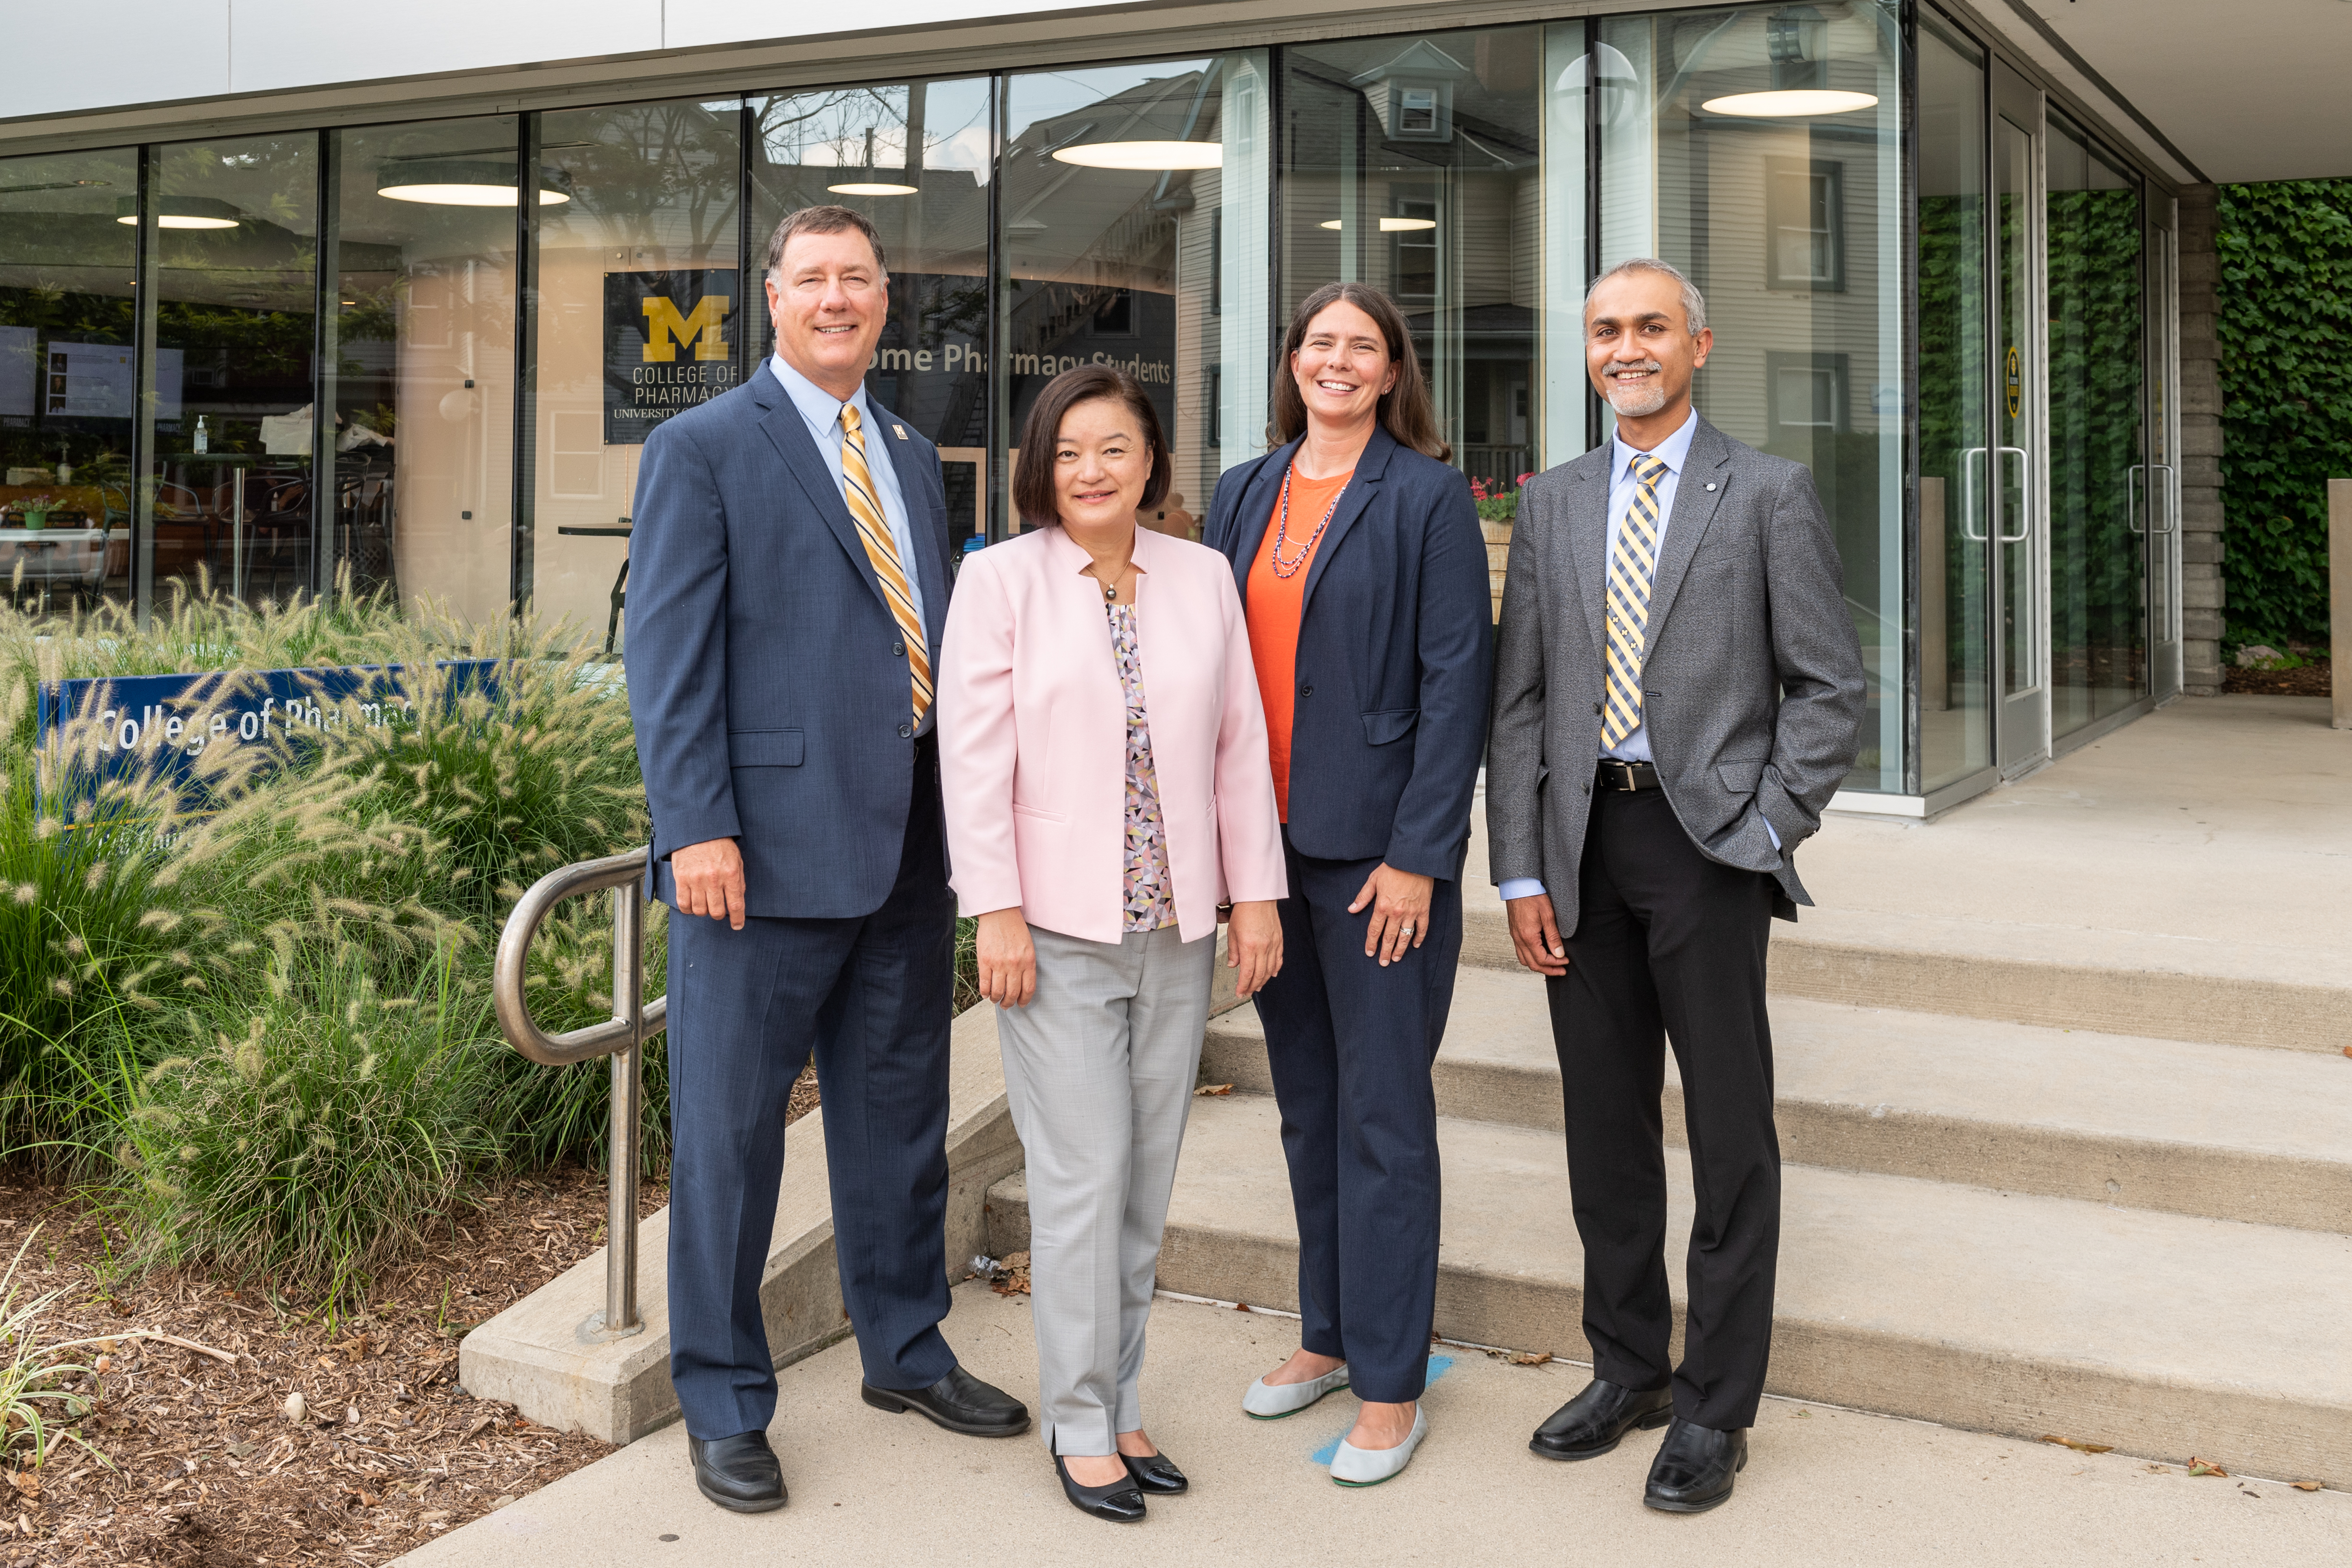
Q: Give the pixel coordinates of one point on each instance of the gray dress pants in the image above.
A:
(1099, 1071)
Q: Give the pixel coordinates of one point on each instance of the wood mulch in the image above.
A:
(2311, 681)
(205, 1464)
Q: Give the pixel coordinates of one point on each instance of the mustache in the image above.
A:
(1645, 367)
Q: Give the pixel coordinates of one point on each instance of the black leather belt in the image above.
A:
(1627, 777)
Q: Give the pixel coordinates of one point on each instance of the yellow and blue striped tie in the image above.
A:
(1631, 567)
(858, 486)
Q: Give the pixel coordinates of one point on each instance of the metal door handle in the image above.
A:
(2131, 498)
(2025, 489)
(1968, 494)
(2163, 520)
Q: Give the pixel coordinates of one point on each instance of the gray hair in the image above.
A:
(1694, 302)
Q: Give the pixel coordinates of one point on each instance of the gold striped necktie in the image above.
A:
(858, 486)
(1631, 566)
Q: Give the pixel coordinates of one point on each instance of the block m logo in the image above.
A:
(666, 328)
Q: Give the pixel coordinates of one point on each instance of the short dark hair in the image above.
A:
(827, 220)
(1035, 499)
(1406, 409)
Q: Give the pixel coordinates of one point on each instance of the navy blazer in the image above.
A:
(767, 678)
(1395, 656)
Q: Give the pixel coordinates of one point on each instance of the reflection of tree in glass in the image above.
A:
(658, 176)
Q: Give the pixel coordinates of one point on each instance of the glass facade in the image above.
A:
(422, 358)
(69, 384)
(1760, 149)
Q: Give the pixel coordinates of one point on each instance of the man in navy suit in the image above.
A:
(789, 588)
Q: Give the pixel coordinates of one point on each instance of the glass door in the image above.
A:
(2104, 496)
(2009, 468)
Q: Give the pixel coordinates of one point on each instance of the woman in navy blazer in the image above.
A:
(1363, 577)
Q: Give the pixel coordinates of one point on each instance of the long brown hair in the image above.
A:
(1035, 499)
(1405, 410)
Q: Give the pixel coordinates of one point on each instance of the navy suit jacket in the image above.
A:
(1395, 656)
(767, 678)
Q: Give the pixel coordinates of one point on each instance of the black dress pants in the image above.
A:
(1669, 944)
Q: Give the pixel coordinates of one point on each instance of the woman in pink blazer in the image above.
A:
(1104, 758)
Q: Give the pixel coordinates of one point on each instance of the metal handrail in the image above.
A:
(635, 1020)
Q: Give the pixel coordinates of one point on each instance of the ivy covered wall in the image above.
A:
(2285, 331)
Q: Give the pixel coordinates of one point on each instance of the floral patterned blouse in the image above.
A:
(1150, 898)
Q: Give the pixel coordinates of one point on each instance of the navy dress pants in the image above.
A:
(1352, 1045)
(1669, 944)
(873, 998)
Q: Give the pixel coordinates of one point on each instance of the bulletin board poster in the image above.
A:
(670, 344)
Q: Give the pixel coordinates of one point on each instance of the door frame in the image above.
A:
(2021, 724)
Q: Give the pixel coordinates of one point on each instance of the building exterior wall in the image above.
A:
(2202, 596)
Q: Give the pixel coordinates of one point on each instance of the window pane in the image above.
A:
(423, 366)
(641, 311)
(1955, 609)
(1800, 105)
(2098, 511)
(236, 312)
(914, 157)
(65, 374)
(1415, 166)
(1134, 212)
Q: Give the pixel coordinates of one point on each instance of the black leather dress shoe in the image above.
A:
(960, 1402)
(1121, 1502)
(739, 1472)
(1597, 1420)
(1155, 1474)
(1694, 1469)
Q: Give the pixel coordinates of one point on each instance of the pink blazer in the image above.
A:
(1033, 736)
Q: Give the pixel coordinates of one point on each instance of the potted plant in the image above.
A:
(37, 510)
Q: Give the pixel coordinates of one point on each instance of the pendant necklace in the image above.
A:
(1281, 531)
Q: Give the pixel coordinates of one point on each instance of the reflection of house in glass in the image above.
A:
(1415, 165)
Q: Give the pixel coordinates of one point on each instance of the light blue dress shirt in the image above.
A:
(1673, 450)
(822, 411)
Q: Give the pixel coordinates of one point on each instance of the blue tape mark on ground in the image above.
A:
(1330, 1450)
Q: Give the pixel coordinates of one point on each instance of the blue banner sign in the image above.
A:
(154, 729)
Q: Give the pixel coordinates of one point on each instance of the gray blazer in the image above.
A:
(1752, 689)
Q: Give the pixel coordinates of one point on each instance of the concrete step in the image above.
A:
(2059, 975)
(2212, 1130)
(2162, 1335)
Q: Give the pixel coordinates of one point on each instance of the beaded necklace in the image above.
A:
(1282, 529)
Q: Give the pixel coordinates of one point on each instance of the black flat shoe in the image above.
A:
(738, 1473)
(1694, 1469)
(1156, 1473)
(1121, 1502)
(1597, 1420)
(959, 1402)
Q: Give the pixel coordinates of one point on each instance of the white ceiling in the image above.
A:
(2256, 90)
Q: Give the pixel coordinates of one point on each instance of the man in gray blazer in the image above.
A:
(1677, 690)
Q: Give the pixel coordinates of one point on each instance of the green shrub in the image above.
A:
(318, 1135)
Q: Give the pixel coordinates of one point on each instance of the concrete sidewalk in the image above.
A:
(1825, 1486)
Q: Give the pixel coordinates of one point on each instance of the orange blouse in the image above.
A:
(1275, 604)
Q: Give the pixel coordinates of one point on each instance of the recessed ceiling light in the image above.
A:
(1789, 103)
(1392, 226)
(1159, 157)
(872, 188)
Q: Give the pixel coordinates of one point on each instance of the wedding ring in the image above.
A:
(1405, 930)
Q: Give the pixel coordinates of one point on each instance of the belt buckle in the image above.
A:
(1623, 775)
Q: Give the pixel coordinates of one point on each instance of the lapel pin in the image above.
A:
(1710, 483)
(900, 432)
